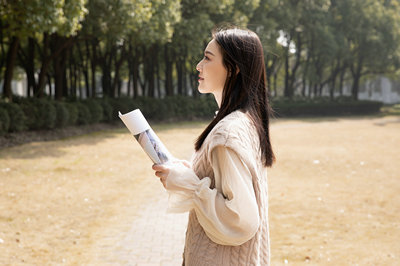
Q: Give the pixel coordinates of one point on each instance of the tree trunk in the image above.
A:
(2, 49)
(59, 66)
(332, 88)
(305, 72)
(93, 64)
(355, 86)
(135, 70)
(47, 59)
(8, 75)
(341, 81)
(118, 64)
(356, 73)
(150, 71)
(287, 92)
(84, 67)
(48, 79)
(185, 87)
(30, 70)
(168, 72)
(274, 86)
(179, 71)
(158, 78)
(106, 79)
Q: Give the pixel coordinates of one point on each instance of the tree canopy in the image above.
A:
(90, 48)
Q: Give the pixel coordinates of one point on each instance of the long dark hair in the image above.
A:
(245, 87)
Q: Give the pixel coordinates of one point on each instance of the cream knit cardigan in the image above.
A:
(237, 132)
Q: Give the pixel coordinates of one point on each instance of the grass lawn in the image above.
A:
(334, 192)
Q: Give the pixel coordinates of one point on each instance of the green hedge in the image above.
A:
(40, 113)
(4, 121)
(16, 116)
(62, 114)
(32, 114)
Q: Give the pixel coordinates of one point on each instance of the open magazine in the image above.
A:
(144, 134)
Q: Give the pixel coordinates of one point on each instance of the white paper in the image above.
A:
(144, 134)
(134, 121)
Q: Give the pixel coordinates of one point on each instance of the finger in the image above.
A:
(158, 167)
(161, 174)
(163, 182)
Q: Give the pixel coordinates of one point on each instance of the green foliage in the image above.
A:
(84, 115)
(4, 121)
(123, 105)
(16, 115)
(107, 110)
(62, 114)
(73, 113)
(26, 18)
(167, 109)
(39, 113)
(95, 109)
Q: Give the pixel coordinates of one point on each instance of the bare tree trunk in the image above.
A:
(135, 69)
(84, 66)
(168, 72)
(117, 67)
(93, 64)
(8, 75)
(158, 79)
(356, 74)
(341, 81)
(30, 73)
(179, 71)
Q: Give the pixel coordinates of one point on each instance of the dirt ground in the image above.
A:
(334, 192)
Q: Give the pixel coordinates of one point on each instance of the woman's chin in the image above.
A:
(202, 90)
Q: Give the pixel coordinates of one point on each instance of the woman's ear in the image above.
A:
(237, 70)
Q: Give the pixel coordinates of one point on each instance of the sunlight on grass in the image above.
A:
(333, 192)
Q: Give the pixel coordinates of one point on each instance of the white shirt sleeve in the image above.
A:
(229, 212)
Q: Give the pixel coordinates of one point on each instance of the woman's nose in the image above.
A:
(198, 66)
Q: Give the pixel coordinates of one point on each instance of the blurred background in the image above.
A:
(321, 56)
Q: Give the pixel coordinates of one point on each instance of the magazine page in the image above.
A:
(147, 138)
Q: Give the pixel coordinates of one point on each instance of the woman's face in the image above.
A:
(212, 72)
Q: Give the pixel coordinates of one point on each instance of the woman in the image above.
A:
(225, 186)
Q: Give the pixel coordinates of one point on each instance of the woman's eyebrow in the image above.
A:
(208, 52)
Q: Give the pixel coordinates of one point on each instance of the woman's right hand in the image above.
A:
(163, 170)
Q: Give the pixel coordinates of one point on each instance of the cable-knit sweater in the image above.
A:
(237, 132)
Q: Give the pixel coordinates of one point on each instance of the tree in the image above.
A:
(24, 19)
(371, 29)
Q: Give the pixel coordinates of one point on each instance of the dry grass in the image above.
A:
(334, 192)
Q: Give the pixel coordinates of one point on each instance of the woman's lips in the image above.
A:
(200, 78)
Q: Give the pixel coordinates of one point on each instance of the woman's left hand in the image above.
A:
(162, 171)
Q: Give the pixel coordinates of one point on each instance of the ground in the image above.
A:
(93, 200)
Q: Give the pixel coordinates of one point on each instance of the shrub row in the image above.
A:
(33, 114)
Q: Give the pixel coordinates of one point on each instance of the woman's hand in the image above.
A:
(163, 170)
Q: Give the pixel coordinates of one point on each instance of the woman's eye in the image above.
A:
(206, 58)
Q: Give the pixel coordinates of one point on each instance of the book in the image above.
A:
(147, 138)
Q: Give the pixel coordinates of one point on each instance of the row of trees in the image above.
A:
(154, 45)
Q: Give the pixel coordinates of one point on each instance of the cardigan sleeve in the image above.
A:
(229, 212)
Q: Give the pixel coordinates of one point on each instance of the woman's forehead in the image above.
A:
(212, 47)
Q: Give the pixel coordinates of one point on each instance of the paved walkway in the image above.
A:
(149, 237)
